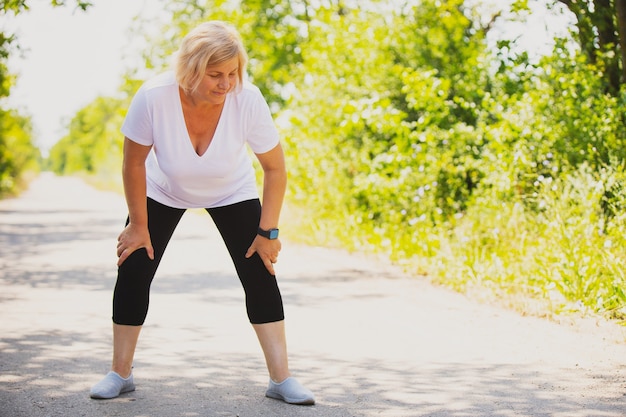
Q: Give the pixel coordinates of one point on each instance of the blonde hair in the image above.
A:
(210, 43)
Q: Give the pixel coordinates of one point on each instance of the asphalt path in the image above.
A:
(368, 339)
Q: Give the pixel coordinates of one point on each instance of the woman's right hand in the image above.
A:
(133, 238)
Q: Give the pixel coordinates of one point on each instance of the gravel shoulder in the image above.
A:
(365, 337)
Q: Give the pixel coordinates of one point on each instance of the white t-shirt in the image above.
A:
(176, 175)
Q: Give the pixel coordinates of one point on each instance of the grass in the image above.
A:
(552, 253)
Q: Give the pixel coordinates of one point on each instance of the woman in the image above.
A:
(185, 147)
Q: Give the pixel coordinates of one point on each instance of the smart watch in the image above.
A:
(269, 234)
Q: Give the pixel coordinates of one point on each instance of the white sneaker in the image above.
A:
(290, 391)
(112, 386)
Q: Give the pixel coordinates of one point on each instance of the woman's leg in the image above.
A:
(131, 296)
(274, 344)
(132, 289)
(124, 343)
(238, 225)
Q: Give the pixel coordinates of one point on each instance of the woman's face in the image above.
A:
(218, 81)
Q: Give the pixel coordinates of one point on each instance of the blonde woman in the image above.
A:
(186, 134)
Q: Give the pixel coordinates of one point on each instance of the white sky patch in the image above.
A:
(70, 57)
(533, 31)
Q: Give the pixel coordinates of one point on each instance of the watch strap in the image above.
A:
(269, 234)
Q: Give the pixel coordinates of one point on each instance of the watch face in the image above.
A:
(273, 234)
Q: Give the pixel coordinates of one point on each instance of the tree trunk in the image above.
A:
(599, 36)
(603, 18)
(620, 6)
(584, 26)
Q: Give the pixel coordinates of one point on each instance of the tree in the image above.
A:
(620, 6)
(93, 142)
(601, 26)
(17, 154)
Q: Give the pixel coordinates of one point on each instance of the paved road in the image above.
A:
(368, 340)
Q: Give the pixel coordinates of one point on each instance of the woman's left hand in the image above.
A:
(267, 249)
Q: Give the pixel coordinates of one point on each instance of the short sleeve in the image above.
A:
(262, 135)
(137, 125)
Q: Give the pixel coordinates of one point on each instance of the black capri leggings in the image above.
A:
(237, 223)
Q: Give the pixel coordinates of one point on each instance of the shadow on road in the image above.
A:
(366, 339)
(49, 374)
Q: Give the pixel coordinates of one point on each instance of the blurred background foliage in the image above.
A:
(409, 136)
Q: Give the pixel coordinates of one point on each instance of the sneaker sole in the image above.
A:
(289, 400)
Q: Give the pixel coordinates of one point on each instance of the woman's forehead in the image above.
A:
(226, 66)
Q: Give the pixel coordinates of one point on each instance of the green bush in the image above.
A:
(18, 155)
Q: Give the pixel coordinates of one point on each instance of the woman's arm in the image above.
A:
(274, 186)
(135, 235)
